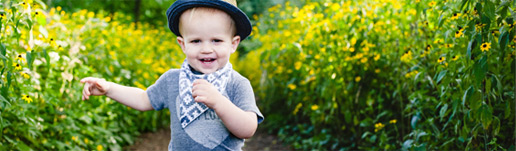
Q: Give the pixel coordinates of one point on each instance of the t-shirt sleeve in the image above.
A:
(244, 98)
(158, 91)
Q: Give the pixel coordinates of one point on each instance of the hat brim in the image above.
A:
(243, 24)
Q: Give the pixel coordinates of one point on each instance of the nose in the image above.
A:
(206, 48)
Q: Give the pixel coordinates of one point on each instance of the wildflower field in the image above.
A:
(328, 74)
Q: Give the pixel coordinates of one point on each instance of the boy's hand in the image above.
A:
(205, 92)
(94, 86)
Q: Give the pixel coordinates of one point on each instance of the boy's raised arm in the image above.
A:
(130, 96)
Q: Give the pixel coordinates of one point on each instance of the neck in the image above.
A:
(195, 71)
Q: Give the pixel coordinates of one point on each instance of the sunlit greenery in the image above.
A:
(328, 74)
(387, 74)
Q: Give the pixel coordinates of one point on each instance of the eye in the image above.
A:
(195, 41)
(216, 40)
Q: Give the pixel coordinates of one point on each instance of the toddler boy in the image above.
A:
(212, 107)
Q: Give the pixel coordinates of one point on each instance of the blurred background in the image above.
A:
(327, 74)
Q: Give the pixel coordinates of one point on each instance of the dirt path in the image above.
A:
(159, 141)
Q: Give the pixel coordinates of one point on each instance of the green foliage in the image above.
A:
(388, 74)
(45, 52)
(147, 11)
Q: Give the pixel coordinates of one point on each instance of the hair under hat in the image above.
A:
(243, 25)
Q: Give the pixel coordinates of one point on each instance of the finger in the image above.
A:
(87, 79)
(200, 99)
(195, 93)
(85, 93)
(87, 89)
(195, 82)
(199, 81)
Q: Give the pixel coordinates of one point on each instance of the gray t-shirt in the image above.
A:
(207, 132)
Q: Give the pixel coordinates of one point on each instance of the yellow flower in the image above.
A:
(20, 58)
(26, 98)
(58, 8)
(17, 66)
(357, 79)
(24, 4)
(52, 42)
(99, 147)
(485, 46)
(335, 7)
(25, 75)
(377, 71)
(107, 19)
(431, 4)
(411, 74)
(363, 60)
(292, 86)
(299, 105)
(441, 59)
(86, 141)
(458, 34)
(91, 14)
(479, 26)
(454, 58)
(297, 65)
(74, 138)
(315, 107)
(393, 121)
(378, 126)
(407, 56)
(376, 57)
(455, 16)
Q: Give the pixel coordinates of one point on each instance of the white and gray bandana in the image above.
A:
(189, 110)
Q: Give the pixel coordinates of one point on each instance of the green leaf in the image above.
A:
(347, 117)
(508, 108)
(2, 98)
(503, 40)
(3, 50)
(30, 59)
(467, 95)
(22, 146)
(407, 144)
(440, 23)
(489, 9)
(496, 126)
(442, 113)
(471, 45)
(480, 69)
(462, 4)
(414, 121)
(441, 76)
(486, 116)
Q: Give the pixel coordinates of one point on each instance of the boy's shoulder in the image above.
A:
(171, 74)
(238, 78)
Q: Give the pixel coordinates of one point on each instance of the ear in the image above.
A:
(181, 43)
(234, 43)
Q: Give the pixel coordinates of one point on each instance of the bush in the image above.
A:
(45, 52)
(388, 74)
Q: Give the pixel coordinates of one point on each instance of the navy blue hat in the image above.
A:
(242, 22)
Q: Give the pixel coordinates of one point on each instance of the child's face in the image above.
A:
(207, 38)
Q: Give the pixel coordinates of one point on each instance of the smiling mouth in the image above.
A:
(207, 60)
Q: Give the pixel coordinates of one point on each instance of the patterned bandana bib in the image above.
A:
(189, 110)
